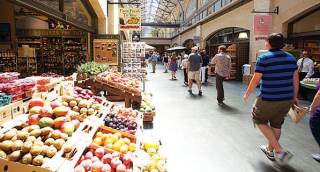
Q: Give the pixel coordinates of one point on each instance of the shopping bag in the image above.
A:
(297, 113)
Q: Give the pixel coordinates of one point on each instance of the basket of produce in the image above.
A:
(147, 107)
(91, 69)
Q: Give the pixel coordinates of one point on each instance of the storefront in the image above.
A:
(237, 42)
(48, 36)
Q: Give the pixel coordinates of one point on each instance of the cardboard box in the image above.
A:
(17, 109)
(5, 113)
(25, 105)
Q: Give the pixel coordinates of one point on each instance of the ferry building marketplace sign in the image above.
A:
(130, 19)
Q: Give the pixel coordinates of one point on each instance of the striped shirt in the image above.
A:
(277, 68)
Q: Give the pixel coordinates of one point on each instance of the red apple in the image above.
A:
(86, 164)
(96, 166)
(67, 128)
(33, 119)
(106, 159)
(46, 111)
(95, 159)
(106, 168)
(115, 162)
(88, 155)
(127, 160)
(36, 102)
(76, 123)
(55, 104)
(121, 168)
(99, 152)
(79, 168)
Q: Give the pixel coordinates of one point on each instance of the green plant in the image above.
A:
(92, 68)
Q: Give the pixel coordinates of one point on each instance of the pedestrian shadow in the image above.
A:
(264, 167)
(228, 108)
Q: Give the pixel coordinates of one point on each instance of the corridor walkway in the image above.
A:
(200, 136)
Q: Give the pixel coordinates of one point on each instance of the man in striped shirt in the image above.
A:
(277, 73)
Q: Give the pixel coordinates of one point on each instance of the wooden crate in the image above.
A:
(5, 114)
(10, 166)
(17, 109)
(148, 116)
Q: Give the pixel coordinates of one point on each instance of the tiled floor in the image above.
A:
(200, 136)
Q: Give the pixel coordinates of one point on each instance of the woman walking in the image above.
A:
(315, 121)
(185, 67)
(173, 66)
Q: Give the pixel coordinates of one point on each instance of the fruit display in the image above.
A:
(31, 144)
(122, 119)
(97, 160)
(147, 104)
(92, 68)
(112, 142)
(150, 157)
(8, 77)
(117, 80)
(86, 94)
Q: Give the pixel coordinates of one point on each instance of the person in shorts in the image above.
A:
(276, 70)
(194, 65)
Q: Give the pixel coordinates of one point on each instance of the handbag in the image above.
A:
(297, 113)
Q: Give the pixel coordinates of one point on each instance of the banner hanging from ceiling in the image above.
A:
(262, 26)
(130, 18)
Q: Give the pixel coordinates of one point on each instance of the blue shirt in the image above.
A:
(154, 58)
(277, 68)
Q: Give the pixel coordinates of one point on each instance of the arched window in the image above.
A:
(191, 8)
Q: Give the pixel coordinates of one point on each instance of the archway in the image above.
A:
(237, 42)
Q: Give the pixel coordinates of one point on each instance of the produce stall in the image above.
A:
(310, 84)
(63, 127)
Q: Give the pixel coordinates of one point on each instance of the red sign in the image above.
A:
(262, 26)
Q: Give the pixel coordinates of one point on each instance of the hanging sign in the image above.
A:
(106, 51)
(130, 19)
(262, 26)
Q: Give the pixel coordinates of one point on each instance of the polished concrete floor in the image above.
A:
(200, 136)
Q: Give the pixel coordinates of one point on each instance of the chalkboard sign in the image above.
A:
(5, 33)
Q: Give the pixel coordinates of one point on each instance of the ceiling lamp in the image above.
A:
(243, 35)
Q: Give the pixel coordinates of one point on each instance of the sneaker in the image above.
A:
(200, 93)
(269, 154)
(283, 157)
(190, 92)
(316, 157)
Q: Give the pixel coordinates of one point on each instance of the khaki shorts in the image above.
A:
(194, 75)
(273, 112)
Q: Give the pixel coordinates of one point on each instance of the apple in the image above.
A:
(95, 159)
(33, 119)
(58, 122)
(96, 166)
(86, 164)
(79, 168)
(46, 111)
(67, 128)
(106, 159)
(121, 168)
(55, 104)
(99, 152)
(36, 102)
(76, 123)
(115, 155)
(106, 168)
(35, 110)
(115, 162)
(127, 160)
(88, 155)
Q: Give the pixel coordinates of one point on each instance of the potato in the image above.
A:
(17, 145)
(26, 147)
(45, 149)
(31, 138)
(35, 132)
(22, 135)
(38, 160)
(64, 136)
(1, 137)
(51, 151)
(33, 127)
(10, 134)
(67, 148)
(56, 134)
(38, 142)
(58, 143)
(6, 145)
(46, 130)
(14, 138)
(15, 156)
(27, 159)
(49, 142)
(36, 150)
(3, 154)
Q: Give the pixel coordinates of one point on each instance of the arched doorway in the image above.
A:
(237, 42)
